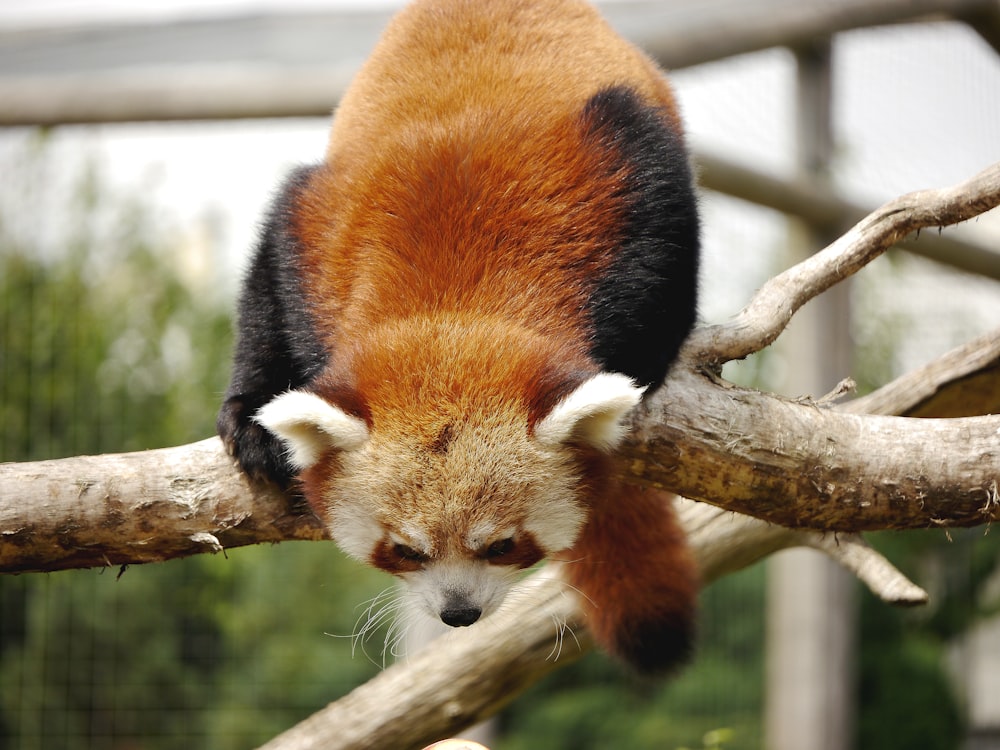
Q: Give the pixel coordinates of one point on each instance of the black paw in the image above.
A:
(260, 454)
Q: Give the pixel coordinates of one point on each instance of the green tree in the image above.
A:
(108, 342)
(596, 704)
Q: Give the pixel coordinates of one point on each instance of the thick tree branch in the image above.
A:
(471, 673)
(737, 448)
(803, 466)
(148, 506)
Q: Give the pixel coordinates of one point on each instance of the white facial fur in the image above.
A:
(461, 585)
(494, 481)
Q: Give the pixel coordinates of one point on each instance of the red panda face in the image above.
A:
(459, 511)
(459, 519)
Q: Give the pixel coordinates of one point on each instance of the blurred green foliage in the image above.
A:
(595, 704)
(107, 344)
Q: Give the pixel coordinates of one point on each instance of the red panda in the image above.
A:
(445, 321)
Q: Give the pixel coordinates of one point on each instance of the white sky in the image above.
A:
(57, 12)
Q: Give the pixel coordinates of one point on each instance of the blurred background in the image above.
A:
(140, 144)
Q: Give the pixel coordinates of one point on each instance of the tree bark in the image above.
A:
(805, 466)
(821, 206)
(770, 310)
(736, 448)
(148, 506)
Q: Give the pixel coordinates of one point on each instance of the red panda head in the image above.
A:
(457, 500)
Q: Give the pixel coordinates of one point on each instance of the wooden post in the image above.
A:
(810, 603)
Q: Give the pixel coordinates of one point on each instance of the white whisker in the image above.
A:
(561, 625)
(556, 651)
(567, 585)
(380, 611)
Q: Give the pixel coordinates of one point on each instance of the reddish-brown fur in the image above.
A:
(635, 572)
(434, 309)
(424, 244)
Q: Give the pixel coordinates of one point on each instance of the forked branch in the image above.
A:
(770, 310)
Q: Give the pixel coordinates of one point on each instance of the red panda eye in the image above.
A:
(408, 553)
(499, 548)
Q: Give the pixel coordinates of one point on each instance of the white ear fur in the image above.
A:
(592, 412)
(309, 425)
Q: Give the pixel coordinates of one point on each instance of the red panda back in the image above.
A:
(476, 164)
(439, 59)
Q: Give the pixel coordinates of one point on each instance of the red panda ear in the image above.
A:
(309, 426)
(592, 412)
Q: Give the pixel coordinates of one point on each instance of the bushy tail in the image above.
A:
(635, 571)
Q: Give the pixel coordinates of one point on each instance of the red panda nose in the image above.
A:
(459, 617)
